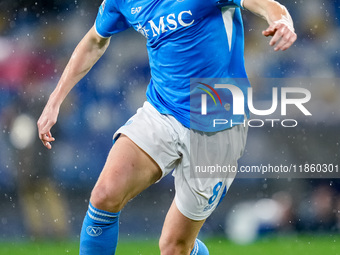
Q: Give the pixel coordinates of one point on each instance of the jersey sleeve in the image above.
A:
(109, 19)
(230, 3)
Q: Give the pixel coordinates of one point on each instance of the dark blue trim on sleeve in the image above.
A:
(229, 3)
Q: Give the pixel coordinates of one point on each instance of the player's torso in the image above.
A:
(185, 39)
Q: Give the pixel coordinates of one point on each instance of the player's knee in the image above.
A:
(106, 198)
(172, 246)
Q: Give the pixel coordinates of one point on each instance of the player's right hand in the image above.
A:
(283, 34)
(46, 121)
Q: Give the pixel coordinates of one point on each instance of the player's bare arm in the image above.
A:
(86, 54)
(280, 22)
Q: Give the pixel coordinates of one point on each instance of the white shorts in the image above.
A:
(170, 144)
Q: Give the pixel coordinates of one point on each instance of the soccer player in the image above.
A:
(185, 39)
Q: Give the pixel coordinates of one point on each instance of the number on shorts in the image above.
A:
(216, 189)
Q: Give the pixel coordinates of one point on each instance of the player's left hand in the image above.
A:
(46, 121)
(283, 34)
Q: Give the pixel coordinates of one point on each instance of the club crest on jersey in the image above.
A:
(164, 23)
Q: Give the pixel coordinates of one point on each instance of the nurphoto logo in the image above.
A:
(240, 99)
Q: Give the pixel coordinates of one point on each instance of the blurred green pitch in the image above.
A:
(287, 245)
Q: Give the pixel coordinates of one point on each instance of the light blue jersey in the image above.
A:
(185, 39)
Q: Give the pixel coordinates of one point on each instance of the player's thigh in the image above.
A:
(179, 230)
(128, 171)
